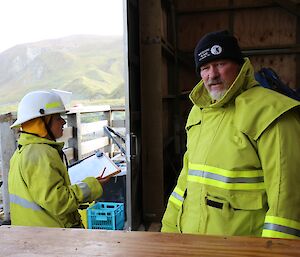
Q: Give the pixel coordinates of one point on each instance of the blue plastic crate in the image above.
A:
(105, 215)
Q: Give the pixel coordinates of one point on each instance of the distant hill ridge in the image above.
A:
(91, 67)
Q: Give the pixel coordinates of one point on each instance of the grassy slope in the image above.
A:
(92, 70)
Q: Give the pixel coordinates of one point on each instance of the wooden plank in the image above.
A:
(118, 123)
(30, 241)
(192, 27)
(150, 16)
(167, 118)
(120, 130)
(91, 127)
(289, 6)
(265, 27)
(89, 109)
(117, 108)
(7, 147)
(195, 6)
(92, 145)
(164, 77)
(251, 3)
(187, 78)
(73, 120)
(284, 65)
(297, 59)
(164, 25)
(67, 134)
(184, 5)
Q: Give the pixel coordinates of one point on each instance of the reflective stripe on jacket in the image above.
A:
(39, 186)
(241, 169)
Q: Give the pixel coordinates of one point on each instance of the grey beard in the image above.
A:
(216, 96)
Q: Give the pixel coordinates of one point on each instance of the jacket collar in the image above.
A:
(26, 139)
(245, 80)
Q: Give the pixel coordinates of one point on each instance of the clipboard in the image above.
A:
(92, 166)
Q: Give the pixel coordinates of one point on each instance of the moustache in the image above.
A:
(214, 81)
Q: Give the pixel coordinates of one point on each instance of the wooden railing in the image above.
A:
(83, 134)
(84, 131)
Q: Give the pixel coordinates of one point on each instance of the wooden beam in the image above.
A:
(93, 127)
(34, 241)
(92, 145)
(67, 134)
(298, 55)
(272, 51)
(89, 109)
(201, 10)
(187, 59)
(151, 95)
(74, 121)
(7, 147)
(289, 6)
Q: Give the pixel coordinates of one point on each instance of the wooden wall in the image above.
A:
(266, 30)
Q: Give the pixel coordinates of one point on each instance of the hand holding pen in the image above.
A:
(102, 180)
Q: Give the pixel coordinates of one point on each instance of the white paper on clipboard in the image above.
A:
(92, 167)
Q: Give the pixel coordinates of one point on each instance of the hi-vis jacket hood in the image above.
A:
(245, 80)
(256, 107)
(39, 186)
(240, 170)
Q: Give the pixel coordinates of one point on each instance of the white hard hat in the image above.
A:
(37, 104)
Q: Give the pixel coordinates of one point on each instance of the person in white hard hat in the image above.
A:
(39, 185)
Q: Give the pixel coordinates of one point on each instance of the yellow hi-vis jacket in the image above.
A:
(241, 171)
(39, 186)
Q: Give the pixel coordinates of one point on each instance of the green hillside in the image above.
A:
(91, 67)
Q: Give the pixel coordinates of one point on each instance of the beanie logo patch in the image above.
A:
(205, 53)
(216, 50)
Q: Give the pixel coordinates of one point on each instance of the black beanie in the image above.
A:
(217, 45)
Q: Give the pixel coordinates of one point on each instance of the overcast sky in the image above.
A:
(24, 21)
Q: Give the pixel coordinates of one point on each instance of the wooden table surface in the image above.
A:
(30, 241)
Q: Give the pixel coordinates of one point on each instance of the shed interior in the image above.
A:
(161, 40)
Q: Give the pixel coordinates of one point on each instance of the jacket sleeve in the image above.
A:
(87, 190)
(48, 183)
(278, 149)
(171, 216)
